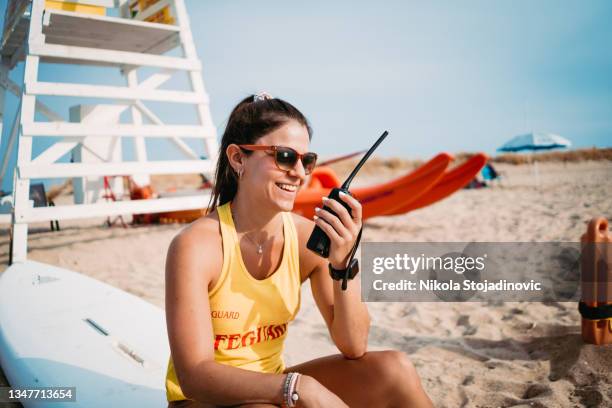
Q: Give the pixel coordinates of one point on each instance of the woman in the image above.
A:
(233, 284)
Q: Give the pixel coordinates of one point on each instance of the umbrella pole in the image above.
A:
(534, 166)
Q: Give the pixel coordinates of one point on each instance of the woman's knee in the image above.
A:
(395, 368)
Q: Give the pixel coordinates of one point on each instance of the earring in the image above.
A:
(240, 173)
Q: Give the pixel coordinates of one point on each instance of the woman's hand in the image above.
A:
(314, 395)
(342, 230)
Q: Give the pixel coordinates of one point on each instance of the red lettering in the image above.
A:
(230, 342)
(270, 332)
(224, 314)
(218, 338)
(248, 337)
(279, 330)
(262, 333)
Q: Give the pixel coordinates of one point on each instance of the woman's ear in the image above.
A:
(235, 157)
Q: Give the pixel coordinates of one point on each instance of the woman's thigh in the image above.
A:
(368, 381)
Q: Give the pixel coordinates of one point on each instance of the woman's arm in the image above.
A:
(347, 318)
(191, 258)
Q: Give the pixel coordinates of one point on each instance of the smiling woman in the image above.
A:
(233, 280)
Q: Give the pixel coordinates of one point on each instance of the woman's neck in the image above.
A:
(249, 219)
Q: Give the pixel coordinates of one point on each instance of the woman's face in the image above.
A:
(264, 182)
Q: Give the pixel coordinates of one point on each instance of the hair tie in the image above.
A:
(261, 96)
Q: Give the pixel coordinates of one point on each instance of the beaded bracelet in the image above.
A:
(293, 396)
(289, 390)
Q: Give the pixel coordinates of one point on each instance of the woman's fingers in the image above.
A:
(334, 222)
(352, 221)
(341, 212)
(327, 228)
(356, 210)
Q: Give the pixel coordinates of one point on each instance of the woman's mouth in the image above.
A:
(290, 188)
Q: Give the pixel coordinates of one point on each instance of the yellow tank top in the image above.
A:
(250, 317)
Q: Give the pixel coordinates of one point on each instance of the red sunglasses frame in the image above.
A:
(274, 149)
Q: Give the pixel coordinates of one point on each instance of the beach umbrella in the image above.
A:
(535, 141)
(532, 142)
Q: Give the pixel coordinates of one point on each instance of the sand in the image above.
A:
(492, 354)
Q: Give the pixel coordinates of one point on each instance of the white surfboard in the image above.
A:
(59, 328)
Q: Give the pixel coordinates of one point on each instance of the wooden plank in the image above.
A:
(62, 129)
(110, 57)
(38, 171)
(114, 92)
(197, 83)
(11, 140)
(155, 119)
(62, 27)
(77, 211)
(56, 151)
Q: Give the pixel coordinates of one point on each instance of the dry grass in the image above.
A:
(376, 165)
(581, 155)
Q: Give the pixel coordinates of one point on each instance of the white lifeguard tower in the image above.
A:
(125, 34)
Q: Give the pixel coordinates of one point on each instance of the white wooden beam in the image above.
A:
(197, 83)
(15, 89)
(156, 79)
(140, 147)
(66, 212)
(114, 168)
(178, 142)
(56, 150)
(113, 57)
(4, 69)
(116, 92)
(60, 129)
(11, 141)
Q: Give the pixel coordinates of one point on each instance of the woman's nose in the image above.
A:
(298, 170)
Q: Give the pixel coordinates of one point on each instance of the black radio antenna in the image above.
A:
(347, 182)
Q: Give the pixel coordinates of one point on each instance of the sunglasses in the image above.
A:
(286, 157)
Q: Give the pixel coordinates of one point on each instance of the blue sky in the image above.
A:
(440, 76)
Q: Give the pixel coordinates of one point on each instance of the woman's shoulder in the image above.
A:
(203, 230)
(201, 237)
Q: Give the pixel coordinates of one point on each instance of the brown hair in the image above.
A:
(251, 119)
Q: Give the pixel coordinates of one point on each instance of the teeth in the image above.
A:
(287, 187)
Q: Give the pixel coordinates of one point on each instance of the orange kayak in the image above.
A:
(451, 181)
(376, 199)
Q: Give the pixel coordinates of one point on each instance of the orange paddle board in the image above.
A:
(452, 181)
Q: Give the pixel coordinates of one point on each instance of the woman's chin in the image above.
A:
(283, 200)
(284, 205)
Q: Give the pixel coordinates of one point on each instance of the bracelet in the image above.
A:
(293, 395)
(290, 395)
(286, 389)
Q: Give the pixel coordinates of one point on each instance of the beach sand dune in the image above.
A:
(519, 354)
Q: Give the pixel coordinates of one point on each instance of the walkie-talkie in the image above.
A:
(319, 241)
